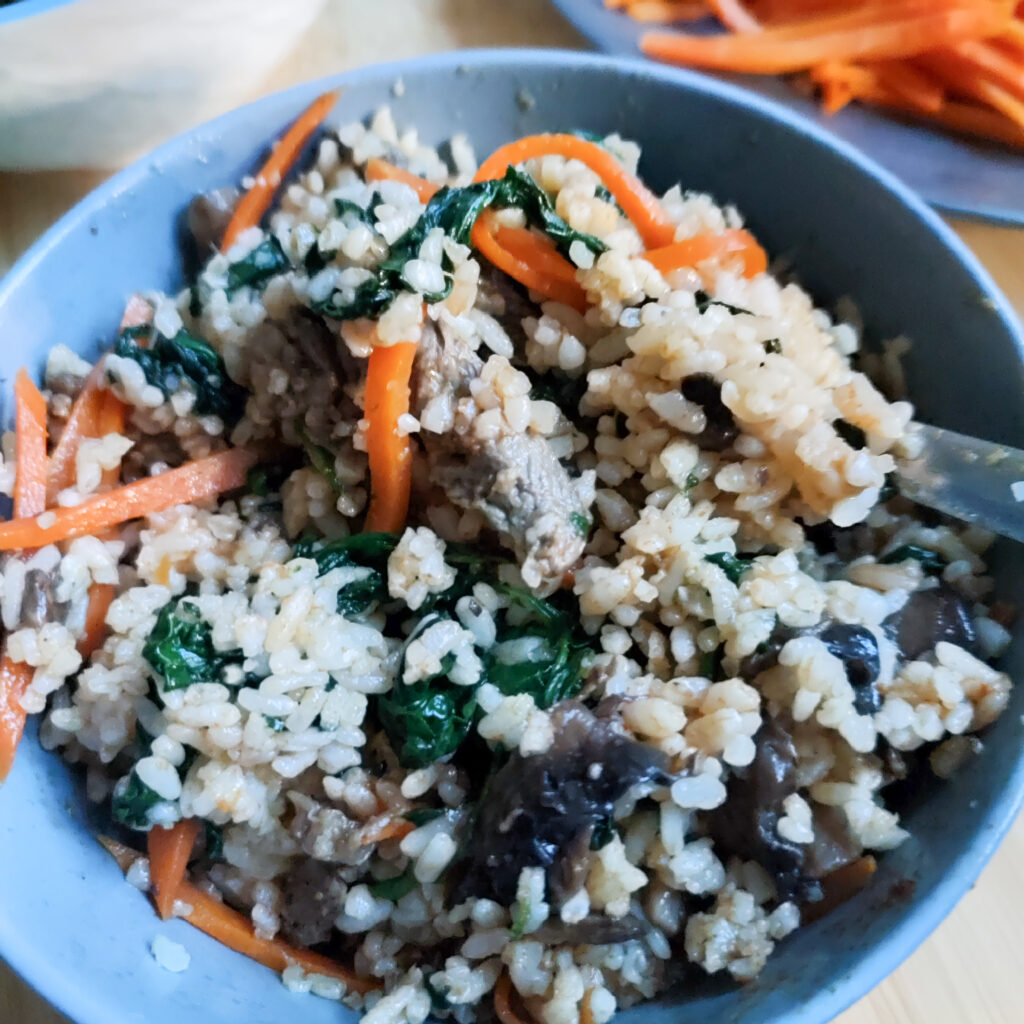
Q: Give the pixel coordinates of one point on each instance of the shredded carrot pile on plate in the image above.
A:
(955, 63)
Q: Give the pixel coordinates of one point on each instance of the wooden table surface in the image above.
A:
(969, 971)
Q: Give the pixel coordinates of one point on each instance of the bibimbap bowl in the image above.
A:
(72, 927)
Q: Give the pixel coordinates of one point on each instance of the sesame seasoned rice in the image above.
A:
(622, 691)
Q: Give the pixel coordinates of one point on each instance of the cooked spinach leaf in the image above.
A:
(170, 362)
(264, 262)
(180, 648)
(889, 489)
(369, 550)
(734, 566)
(931, 561)
(132, 801)
(427, 720)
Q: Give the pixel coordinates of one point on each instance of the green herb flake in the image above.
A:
(734, 566)
(521, 911)
(604, 832)
(931, 561)
(580, 523)
(275, 723)
(394, 889)
(320, 458)
(267, 260)
(773, 347)
(692, 480)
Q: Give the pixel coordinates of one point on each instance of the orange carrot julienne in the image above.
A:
(381, 170)
(586, 1008)
(204, 478)
(100, 597)
(231, 929)
(388, 449)
(550, 287)
(733, 15)
(393, 828)
(169, 853)
(256, 201)
(81, 422)
(30, 460)
(639, 204)
(15, 677)
(503, 1001)
(125, 856)
(692, 251)
(770, 52)
(536, 250)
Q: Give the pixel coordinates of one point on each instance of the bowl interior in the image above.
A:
(67, 921)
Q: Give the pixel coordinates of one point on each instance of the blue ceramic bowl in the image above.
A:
(70, 925)
(22, 9)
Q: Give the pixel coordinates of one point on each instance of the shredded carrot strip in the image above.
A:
(394, 828)
(769, 52)
(550, 287)
(381, 170)
(387, 448)
(195, 481)
(231, 929)
(638, 203)
(81, 422)
(100, 596)
(586, 1009)
(125, 856)
(690, 252)
(733, 15)
(662, 11)
(29, 500)
(255, 203)
(503, 1002)
(536, 250)
(15, 677)
(986, 59)
(911, 84)
(169, 852)
(31, 463)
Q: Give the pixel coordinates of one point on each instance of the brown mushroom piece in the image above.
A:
(535, 809)
(930, 617)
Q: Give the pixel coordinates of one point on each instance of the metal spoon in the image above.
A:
(977, 481)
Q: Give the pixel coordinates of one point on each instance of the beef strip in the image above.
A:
(38, 604)
(326, 833)
(312, 897)
(516, 480)
(208, 217)
(535, 808)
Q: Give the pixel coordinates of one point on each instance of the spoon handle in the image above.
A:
(977, 481)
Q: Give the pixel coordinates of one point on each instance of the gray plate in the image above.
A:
(954, 173)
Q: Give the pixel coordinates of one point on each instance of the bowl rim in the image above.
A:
(921, 919)
(20, 10)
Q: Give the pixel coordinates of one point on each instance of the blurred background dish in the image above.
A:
(94, 83)
(974, 179)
